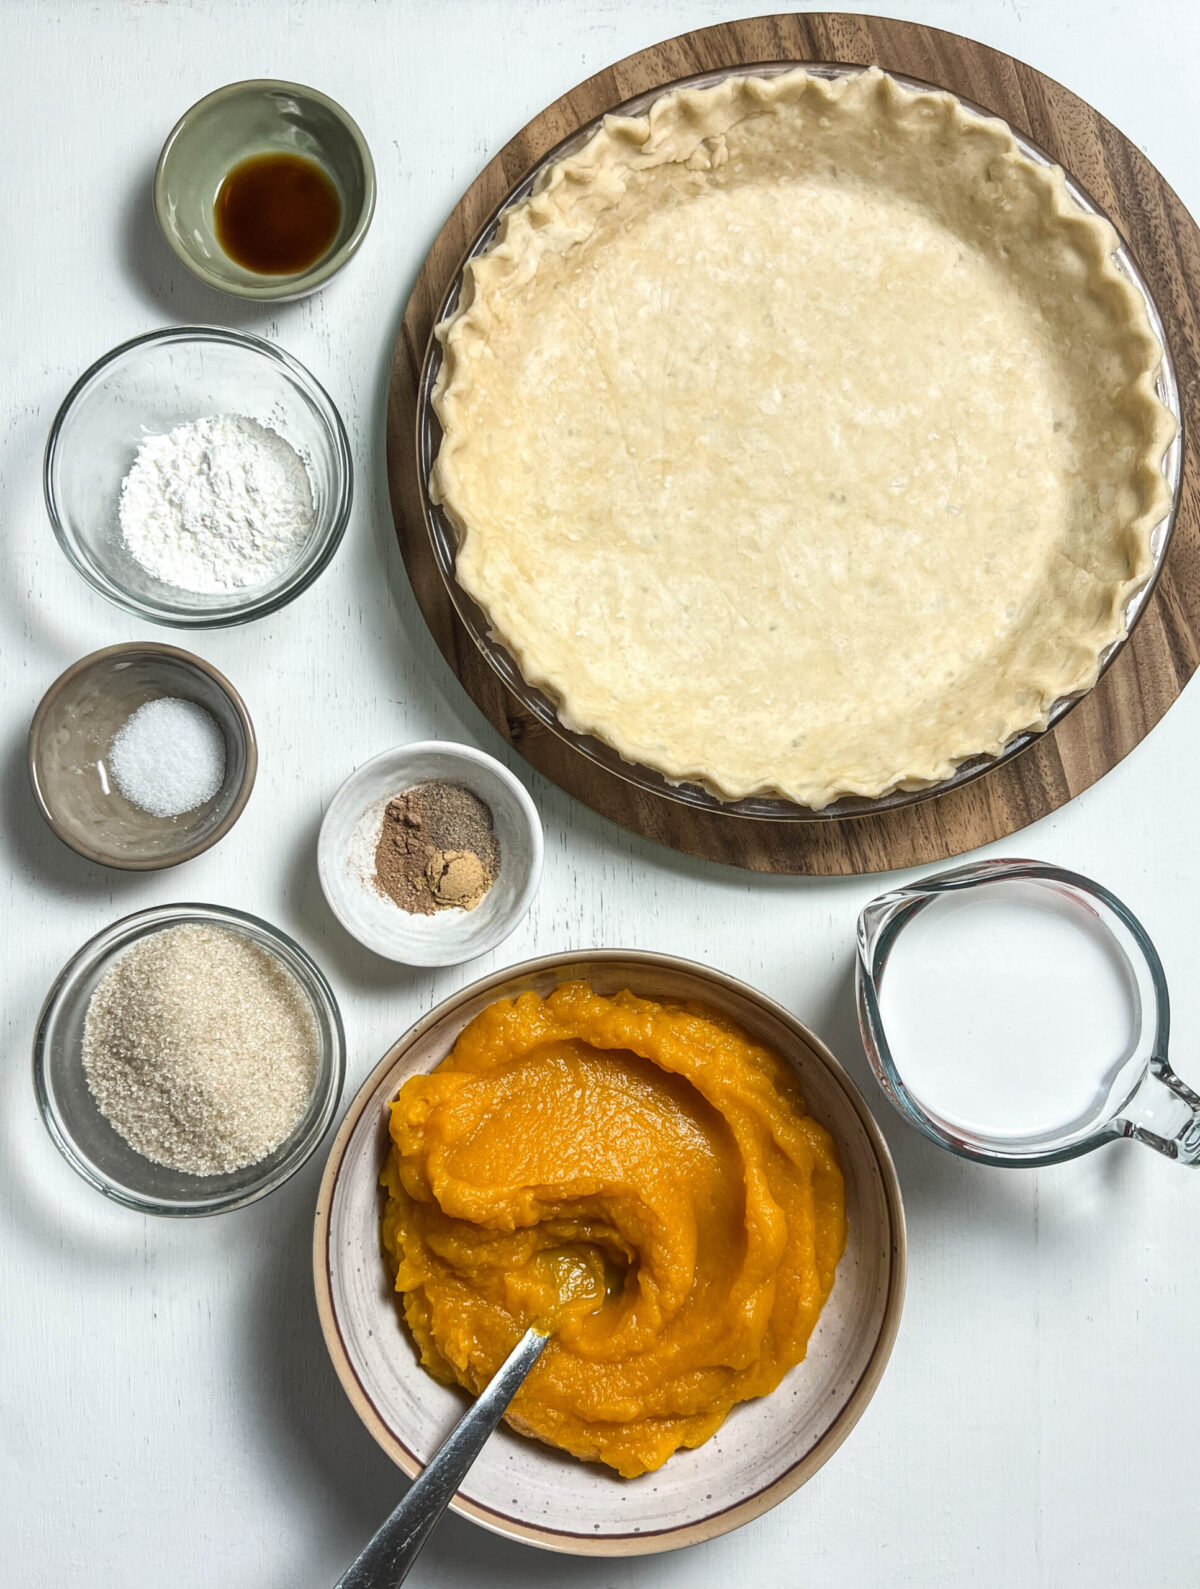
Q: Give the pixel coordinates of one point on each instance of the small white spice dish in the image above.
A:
(87, 1140)
(350, 833)
(151, 386)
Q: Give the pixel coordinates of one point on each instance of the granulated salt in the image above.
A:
(168, 757)
(200, 1049)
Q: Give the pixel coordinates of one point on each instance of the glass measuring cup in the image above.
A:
(1017, 1014)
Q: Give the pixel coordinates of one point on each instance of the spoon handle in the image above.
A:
(386, 1560)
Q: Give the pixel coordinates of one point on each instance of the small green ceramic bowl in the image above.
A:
(261, 116)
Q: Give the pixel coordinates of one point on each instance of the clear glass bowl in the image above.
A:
(86, 1139)
(444, 538)
(145, 388)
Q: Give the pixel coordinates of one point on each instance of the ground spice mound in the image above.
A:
(437, 849)
(200, 1049)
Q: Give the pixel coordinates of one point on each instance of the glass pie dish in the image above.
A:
(443, 537)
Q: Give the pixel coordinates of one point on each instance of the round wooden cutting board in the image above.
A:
(1164, 649)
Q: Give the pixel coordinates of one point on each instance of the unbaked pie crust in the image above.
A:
(801, 437)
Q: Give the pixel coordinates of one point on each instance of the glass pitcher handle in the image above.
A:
(1164, 1113)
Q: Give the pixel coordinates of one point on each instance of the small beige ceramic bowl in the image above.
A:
(69, 741)
(260, 116)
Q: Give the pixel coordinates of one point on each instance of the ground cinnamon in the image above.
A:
(437, 849)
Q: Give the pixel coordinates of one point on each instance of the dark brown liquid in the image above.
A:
(276, 214)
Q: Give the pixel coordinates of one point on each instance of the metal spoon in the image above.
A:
(387, 1560)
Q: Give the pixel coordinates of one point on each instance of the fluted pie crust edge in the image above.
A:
(801, 437)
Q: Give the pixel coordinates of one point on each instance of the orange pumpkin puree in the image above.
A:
(640, 1175)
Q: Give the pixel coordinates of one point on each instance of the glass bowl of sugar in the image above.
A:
(198, 477)
(189, 1059)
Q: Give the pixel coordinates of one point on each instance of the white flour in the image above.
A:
(217, 505)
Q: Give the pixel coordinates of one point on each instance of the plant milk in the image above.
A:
(1012, 1011)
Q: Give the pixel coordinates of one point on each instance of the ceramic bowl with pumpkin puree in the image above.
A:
(674, 1174)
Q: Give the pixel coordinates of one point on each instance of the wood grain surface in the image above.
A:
(1164, 649)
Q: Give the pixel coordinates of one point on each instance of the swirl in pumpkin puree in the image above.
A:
(641, 1176)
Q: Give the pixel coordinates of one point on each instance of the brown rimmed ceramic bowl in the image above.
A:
(69, 741)
(765, 1449)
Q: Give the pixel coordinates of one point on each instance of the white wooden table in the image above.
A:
(167, 1412)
